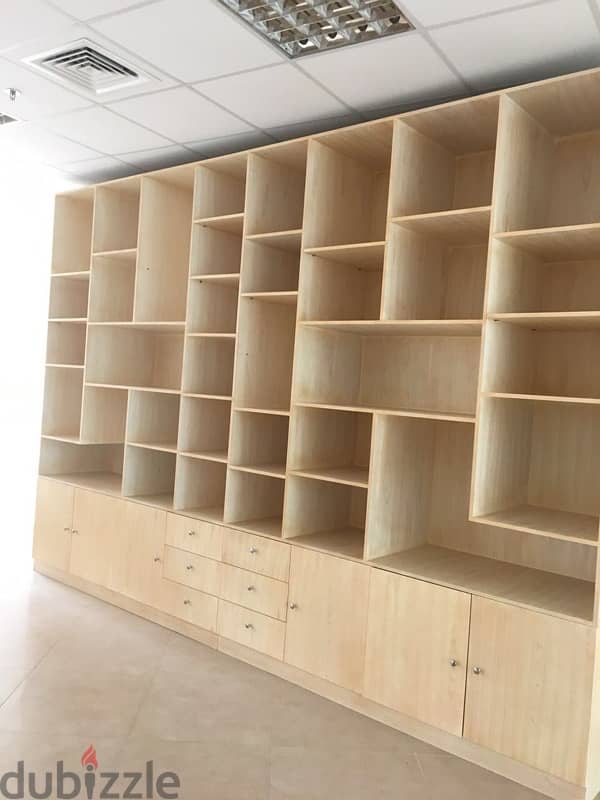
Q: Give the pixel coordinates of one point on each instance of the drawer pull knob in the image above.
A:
(293, 606)
(189, 567)
(477, 670)
(67, 530)
(156, 559)
(75, 532)
(453, 662)
(251, 588)
(249, 626)
(187, 602)
(191, 533)
(253, 551)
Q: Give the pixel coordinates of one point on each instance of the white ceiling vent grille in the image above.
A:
(88, 66)
(301, 27)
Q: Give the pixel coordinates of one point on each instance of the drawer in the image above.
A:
(257, 554)
(189, 605)
(191, 570)
(265, 595)
(197, 537)
(251, 629)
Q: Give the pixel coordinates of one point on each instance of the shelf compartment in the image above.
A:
(153, 420)
(365, 255)
(126, 357)
(204, 428)
(356, 164)
(162, 268)
(531, 358)
(254, 502)
(411, 327)
(66, 343)
(214, 252)
(149, 475)
(116, 215)
(539, 590)
(267, 269)
(438, 164)
(427, 278)
(200, 487)
(212, 308)
(332, 290)
(552, 321)
(92, 466)
(73, 217)
(265, 352)
(429, 375)
(63, 391)
(208, 366)
(460, 227)
(275, 196)
(112, 288)
(259, 443)
(537, 468)
(328, 516)
(68, 297)
(330, 445)
(220, 187)
(104, 415)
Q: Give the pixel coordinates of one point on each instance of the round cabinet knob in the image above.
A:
(191, 533)
(249, 626)
(189, 567)
(477, 670)
(156, 559)
(187, 602)
(251, 588)
(293, 606)
(67, 530)
(253, 551)
(75, 532)
(453, 662)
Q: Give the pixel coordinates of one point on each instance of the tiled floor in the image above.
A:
(75, 672)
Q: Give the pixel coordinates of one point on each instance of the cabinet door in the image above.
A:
(96, 524)
(139, 545)
(529, 687)
(53, 518)
(417, 644)
(327, 621)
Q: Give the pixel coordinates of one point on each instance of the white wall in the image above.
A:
(26, 218)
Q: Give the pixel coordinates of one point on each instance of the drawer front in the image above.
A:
(200, 538)
(251, 629)
(191, 570)
(257, 554)
(188, 605)
(265, 595)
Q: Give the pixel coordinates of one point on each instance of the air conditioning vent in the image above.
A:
(88, 66)
(5, 119)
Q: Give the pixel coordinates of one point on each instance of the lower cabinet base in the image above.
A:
(508, 768)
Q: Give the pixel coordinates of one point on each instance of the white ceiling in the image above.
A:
(219, 87)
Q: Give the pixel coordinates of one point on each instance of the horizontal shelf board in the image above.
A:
(352, 476)
(267, 526)
(151, 327)
(165, 447)
(64, 437)
(347, 542)
(80, 275)
(128, 254)
(156, 389)
(221, 336)
(410, 327)
(206, 455)
(367, 255)
(547, 522)
(212, 514)
(280, 412)
(552, 321)
(523, 586)
(103, 482)
(543, 398)
(229, 223)
(458, 226)
(271, 470)
(281, 240)
(287, 298)
(78, 320)
(405, 412)
(158, 500)
(225, 397)
(568, 243)
(64, 366)
(225, 278)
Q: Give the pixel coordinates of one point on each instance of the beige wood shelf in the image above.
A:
(208, 455)
(77, 275)
(366, 255)
(352, 476)
(227, 223)
(552, 321)
(156, 500)
(65, 366)
(74, 439)
(224, 278)
(348, 542)
(222, 336)
(150, 327)
(568, 243)
(531, 588)
(281, 240)
(285, 298)
(225, 397)
(157, 389)
(265, 526)
(165, 447)
(543, 398)
(274, 411)
(128, 254)
(104, 482)
(212, 514)
(555, 524)
(77, 320)
(270, 470)
(410, 327)
(405, 412)
(459, 226)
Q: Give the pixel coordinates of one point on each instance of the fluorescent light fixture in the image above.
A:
(302, 27)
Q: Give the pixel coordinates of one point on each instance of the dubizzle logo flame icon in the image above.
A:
(89, 759)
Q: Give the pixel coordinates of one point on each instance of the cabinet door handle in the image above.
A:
(191, 533)
(249, 626)
(187, 602)
(67, 530)
(189, 567)
(75, 532)
(253, 551)
(477, 670)
(251, 588)
(293, 606)
(453, 662)
(156, 559)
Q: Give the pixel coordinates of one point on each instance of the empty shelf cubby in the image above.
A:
(208, 366)
(153, 420)
(66, 343)
(330, 445)
(275, 197)
(538, 468)
(269, 268)
(72, 244)
(69, 297)
(338, 290)
(220, 188)
(94, 466)
(204, 428)
(116, 215)
(212, 307)
(200, 487)
(254, 502)
(214, 252)
(104, 415)
(112, 287)
(329, 516)
(259, 442)
(149, 474)
(63, 391)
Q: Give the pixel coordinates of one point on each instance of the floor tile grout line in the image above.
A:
(31, 671)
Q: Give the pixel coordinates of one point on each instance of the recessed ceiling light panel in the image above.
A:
(301, 27)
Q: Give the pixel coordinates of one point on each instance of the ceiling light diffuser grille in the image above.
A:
(301, 27)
